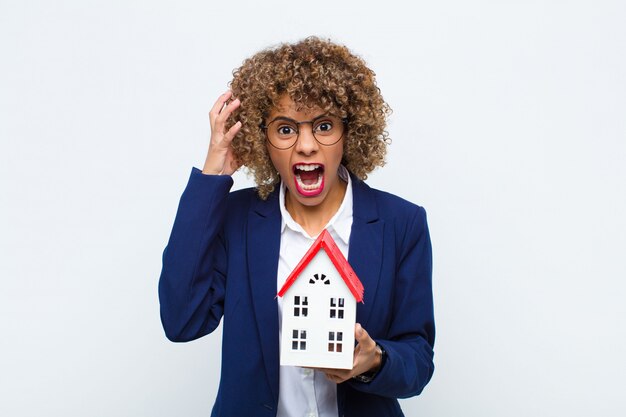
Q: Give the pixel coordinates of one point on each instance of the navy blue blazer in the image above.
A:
(221, 261)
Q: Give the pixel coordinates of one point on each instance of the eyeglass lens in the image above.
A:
(283, 132)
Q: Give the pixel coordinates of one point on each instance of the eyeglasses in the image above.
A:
(283, 132)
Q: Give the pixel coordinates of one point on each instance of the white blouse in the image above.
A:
(304, 392)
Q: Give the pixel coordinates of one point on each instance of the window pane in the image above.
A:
(340, 314)
(338, 347)
(331, 347)
(302, 345)
(341, 300)
(339, 336)
(331, 335)
(294, 345)
(303, 334)
(305, 301)
(332, 313)
(296, 311)
(305, 311)
(333, 303)
(296, 300)
(295, 334)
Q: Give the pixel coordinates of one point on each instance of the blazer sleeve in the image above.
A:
(409, 343)
(193, 277)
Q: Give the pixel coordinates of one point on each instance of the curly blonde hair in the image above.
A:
(313, 73)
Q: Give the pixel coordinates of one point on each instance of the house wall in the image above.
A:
(318, 322)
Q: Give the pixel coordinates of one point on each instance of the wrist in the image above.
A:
(214, 163)
(211, 170)
(368, 376)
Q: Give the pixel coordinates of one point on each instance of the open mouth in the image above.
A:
(309, 178)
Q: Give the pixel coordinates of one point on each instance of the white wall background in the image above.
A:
(508, 127)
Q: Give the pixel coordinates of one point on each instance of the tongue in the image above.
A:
(309, 177)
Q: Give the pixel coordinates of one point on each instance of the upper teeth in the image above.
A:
(308, 167)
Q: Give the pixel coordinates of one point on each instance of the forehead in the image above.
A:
(288, 108)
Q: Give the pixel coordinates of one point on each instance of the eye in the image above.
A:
(286, 130)
(324, 127)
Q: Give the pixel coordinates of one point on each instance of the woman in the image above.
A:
(307, 120)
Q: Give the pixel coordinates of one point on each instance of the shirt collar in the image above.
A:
(341, 222)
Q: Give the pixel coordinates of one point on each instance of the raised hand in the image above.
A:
(220, 159)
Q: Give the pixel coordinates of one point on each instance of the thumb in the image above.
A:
(359, 332)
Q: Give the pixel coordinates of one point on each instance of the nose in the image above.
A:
(306, 143)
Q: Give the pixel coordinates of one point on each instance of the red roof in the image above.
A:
(326, 241)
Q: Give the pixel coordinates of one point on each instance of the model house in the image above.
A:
(319, 309)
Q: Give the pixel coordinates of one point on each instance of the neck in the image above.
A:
(314, 218)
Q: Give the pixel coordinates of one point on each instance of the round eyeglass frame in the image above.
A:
(264, 127)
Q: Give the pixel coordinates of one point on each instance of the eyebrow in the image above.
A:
(288, 119)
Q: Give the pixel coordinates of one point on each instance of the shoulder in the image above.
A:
(389, 206)
(241, 202)
(242, 195)
(388, 201)
(405, 222)
(409, 219)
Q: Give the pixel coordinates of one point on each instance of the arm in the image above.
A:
(192, 283)
(408, 365)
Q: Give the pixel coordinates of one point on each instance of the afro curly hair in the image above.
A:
(313, 73)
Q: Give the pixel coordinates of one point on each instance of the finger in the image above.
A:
(228, 110)
(338, 379)
(356, 351)
(333, 378)
(232, 132)
(341, 374)
(219, 104)
(362, 337)
(218, 124)
(331, 371)
(359, 333)
(355, 356)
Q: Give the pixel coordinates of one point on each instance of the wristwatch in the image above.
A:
(368, 376)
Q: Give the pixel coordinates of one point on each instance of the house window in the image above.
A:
(336, 308)
(300, 306)
(335, 342)
(319, 278)
(298, 340)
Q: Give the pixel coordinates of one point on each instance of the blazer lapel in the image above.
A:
(262, 253)
(366, 245)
